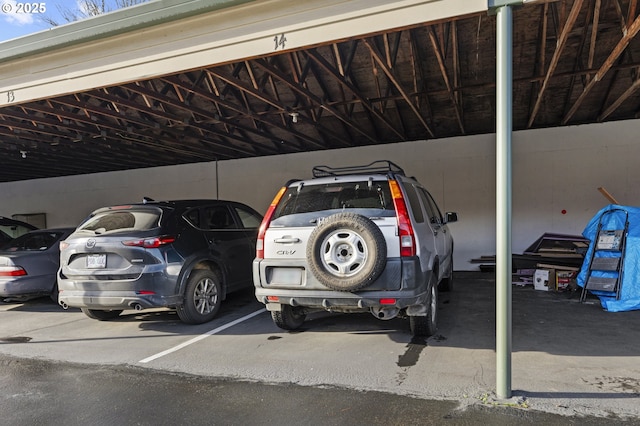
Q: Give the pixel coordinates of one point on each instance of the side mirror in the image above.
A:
(450, 217)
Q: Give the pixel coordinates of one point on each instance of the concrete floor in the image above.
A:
(568, 358)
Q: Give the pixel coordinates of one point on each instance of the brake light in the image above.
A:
(405, 230)
(388, 301)
(266, 221)
(154, 242)
(274, 299)
(12, 271)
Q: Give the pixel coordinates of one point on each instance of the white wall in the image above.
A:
(556, 173)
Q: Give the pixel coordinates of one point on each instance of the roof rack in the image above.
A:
(380, 166)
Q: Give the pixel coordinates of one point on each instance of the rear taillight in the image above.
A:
(63, 245)
(266, 221)
(154, 242)
(12, 271)
(405, 230)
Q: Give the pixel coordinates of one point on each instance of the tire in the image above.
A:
(99, 315)
(54, 293)
(447, 283)
(202, 297)
(289, 318)
(427, 325)
(346, 252)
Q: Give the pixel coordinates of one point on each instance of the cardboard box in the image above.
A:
(564, 279)
(541, 279)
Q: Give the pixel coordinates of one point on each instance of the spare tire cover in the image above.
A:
(346, 252)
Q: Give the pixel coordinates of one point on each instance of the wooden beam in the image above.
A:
(608, 63)
(608, 196)
(393, 78)
(566, 29)
(312, 97)
(626, 95)
(313, 54)
(445, 76)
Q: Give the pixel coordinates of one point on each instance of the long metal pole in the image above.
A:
(504, 78)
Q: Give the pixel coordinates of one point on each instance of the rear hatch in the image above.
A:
(307, 203)
(117, 243)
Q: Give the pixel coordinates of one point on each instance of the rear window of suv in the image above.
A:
(121, 220)
(309, 198)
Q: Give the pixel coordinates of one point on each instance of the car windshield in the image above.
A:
(303, 198)
(38, 241)
(122, 220)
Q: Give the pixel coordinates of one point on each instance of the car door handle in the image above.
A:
(287, 240)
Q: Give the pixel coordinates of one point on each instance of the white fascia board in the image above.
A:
(242, 31)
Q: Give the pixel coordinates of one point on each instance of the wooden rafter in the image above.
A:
(606, 66)
(445, 76)
(396, 82)
(566, 29)
(626, 95)
(312, 98)
(313, 54)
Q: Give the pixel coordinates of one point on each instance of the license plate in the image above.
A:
(286, 276)
(96, 261)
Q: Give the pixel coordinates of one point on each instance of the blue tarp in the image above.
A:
(613, 217)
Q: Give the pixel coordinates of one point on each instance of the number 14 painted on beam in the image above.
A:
(279, 41)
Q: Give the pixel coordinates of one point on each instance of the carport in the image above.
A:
(185, 82)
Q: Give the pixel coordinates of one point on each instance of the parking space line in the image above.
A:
(202, 336)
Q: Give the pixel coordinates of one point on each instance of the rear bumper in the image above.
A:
(130, 300)
(402, 284)
(342, 302)
(152, 290)
(26, 287)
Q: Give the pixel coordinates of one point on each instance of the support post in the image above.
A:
(504, 125)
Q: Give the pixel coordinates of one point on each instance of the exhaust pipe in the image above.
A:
(137, 306)
(64, 305)
(385, 313)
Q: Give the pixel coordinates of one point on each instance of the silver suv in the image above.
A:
(354, 239)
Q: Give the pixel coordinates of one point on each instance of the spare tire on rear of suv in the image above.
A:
(346, 252)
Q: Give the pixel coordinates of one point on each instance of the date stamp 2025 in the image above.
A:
(11, 7)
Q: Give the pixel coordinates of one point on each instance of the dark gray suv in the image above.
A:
(354, 239)
(186, 254)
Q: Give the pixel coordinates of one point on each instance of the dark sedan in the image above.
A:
(29, 264)
(11, 228)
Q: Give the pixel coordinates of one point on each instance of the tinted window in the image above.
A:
(426, 204)
(33, 242)
(118, 220)
(339, 195)
(430, 205)
(193, 217)
(13, 230)
(414, 202)
(248, 218)
(218, 217)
